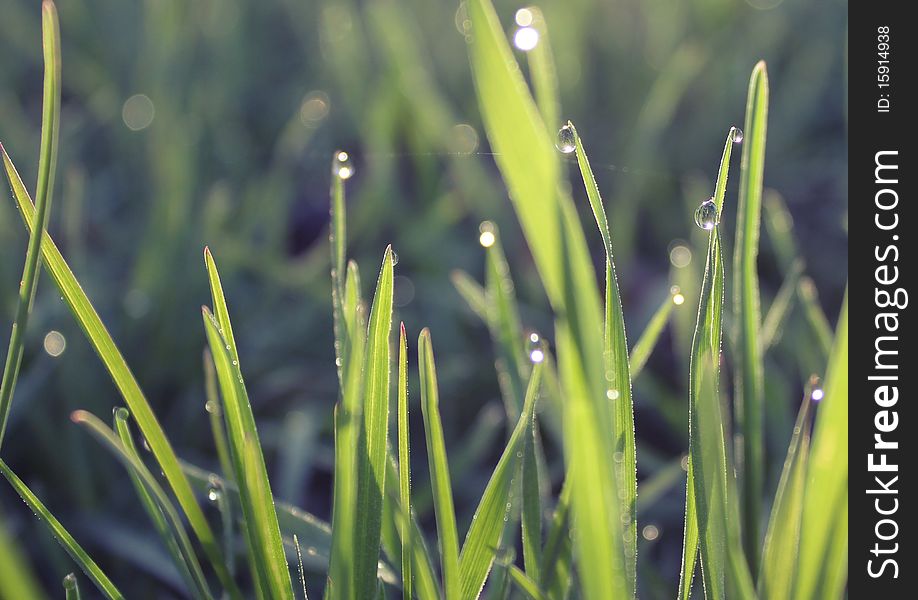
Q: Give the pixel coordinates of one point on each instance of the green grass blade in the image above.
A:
(152, 492)
(525, 584)
(782, 537)
(300, 569)
(815, 317)
(215, 415)
(651, 335)
(337, 238)
(557, 555)
(823, 565)
(543, 72)
(71, 587)
(114, 362)
(780, 307)
(47, 163)
(472, 293)
(487, 525)
(690, 539)
(16, 577)
(82, 559)
(707, 424)
(155, 512)
(439, 470)
(404, 465)
(529, 166)
(749, 383)
(618, 370)
(373, 439)
(262, 531)
(532, 504)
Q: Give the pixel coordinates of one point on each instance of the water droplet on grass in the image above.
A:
(342, 166)
(536, 354)
(487, 233)
(566, 142)
(213, 494)
(706, 215)
(526, 38)
(737, 135)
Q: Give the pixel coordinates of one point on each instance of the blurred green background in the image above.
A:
(214, 121)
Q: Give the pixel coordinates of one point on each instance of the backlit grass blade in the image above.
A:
(47, 164)
(373, 439)
(152, 492)
(404, 465)
(153, 510)
(16, 577)
(101, 341)
(648, 340)
(815, 317)
(471, 292)
(63, 537)
(782, 537)
(532, 503)
(529, 166)
(439, 470)
(749, 384)
(543, 72)
(338, 241)
(525, 584)
(488, 523)
(780, 307)
(557, 554)
(822, 568)
(215, 415)
(71, 587)
(707, 437)
(262, 532)
(690, 539)
(300, 569)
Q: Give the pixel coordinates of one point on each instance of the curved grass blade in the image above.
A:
(782, 537)
(525, 584)
(823, 564)
(152, 491)
(102, 342)
(71, 587)
(155, 513)
(651, 335)
(487, 525)
(706, 487)
(439, 470)
(76, 552)
(529, 166)
(373, 439)
(404, 464)
(47, 164)
(749, 383)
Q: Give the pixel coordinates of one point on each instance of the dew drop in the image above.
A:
(213, 494)
(342, 166)
(394, 258)
(487, 234)
(678, 297)
(536, 353)
(566, 142)
(706, 215)
(211, 407)
(650, 532)
(612, 394)
(526, 38)
(736, 134)
(817, 394)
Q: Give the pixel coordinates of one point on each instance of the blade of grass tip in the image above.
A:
(526, 585)
(439, 470)
(780, 307)
(748, 378)
(487, 524)
(373, 439)
(215, 415)
(302, 571)
(822, 568)
(530, 168)
(648, 340)
(67, 541)
(404, 464)
(102, 342)
(815, 317)
(151, 507)
(154, 491)
(71, 587)
(782, 537)
(16, 577)
(262, 532)
(338, 241)
(542, 70)
(615, 351)
(47, 163)
(707, 451)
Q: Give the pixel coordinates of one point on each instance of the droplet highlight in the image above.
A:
(526, 38)
(487, 234)
(736, 134)
(342, 166)
(536, 353)
(706, 215)
(566, 142)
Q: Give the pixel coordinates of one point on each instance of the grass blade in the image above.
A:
(648, 340)
(47, 164)
(556, 556)
(543, 72)
(815, 318)
(71, 587)
(707, 480)
(525, 584)
(532, 503)
(16, 578)
(782, 537)
(82, 559)
(373, 440)
(155, 512)
(487, 525)
(529, 166)
(823, 565)
(215, 413)
(114, 362)
(690, 539)
(439, 470)
(301, 569)
(338, 241)
(615, 352)
(749, 384)
(780, 307)
(404, 465)
(152, 491)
